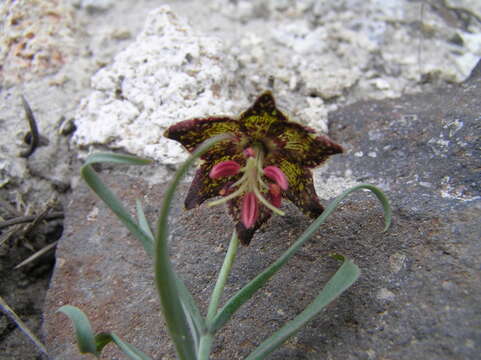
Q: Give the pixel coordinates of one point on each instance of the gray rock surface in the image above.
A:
(322, 55)
(418, 295)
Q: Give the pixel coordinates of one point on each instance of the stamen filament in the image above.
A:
(266, 203)
(240, 181)
(259, 179)
(259, 167)
(223, 200)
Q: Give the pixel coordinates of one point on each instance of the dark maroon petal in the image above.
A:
(191, 133)
(307, 201)
(257, 119)
(264, 103)
(300, 144)
(301, 188)
(227, 189)
(203, 187)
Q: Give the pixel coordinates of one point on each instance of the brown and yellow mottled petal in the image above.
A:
(301, 190)
(228, 147)
(192, 133)
(257, 120)
(203, 187)
(300, 144)
(245, 235)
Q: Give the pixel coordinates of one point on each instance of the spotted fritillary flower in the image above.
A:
(268, 158)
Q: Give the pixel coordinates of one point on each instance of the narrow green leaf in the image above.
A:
(194, 318)
(128, 349)
(94, 344)
(347, 274)
(102, 157)
(384, 201)
(178, 316)
(83, 329)
(131, 351)
(102, 191)
(143, 223)
(255, 284)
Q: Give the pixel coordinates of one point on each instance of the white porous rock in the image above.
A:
(345, 51)
(168, 74)
(315, 115)
(474, 6)
(96, 5)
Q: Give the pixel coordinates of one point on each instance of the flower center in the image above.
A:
(252, 186)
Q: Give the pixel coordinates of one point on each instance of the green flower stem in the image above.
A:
(205, 346)
(221, 280)
(208, 337)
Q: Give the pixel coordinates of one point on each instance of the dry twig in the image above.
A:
(36, 255)
(29, 218)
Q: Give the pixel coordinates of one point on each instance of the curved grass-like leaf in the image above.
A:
(103, 157)
(83, 330)
(88, 343)
(102, 339)
(182, 324)
(128, 349)
(194, 318)
(347, 274)
(142, 220)
(255, 284)
(103, 192)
